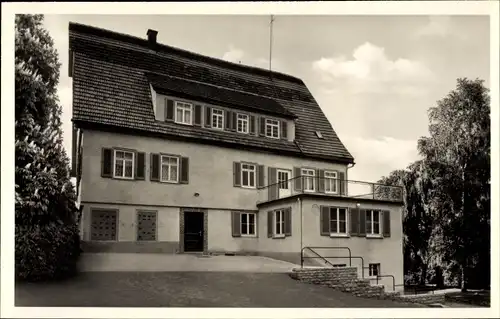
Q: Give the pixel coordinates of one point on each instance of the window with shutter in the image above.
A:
(248, 224)
(373, 223)
(123, 164)
(217, 119)
(279, 223)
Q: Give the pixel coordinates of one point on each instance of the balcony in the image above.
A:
(330, 187)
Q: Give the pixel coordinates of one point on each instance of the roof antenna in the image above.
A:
(271, 44)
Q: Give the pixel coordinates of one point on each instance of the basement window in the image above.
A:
(319, 135)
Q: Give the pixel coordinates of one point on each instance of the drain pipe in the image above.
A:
(301, 222)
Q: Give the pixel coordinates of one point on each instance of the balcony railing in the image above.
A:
(330, 187)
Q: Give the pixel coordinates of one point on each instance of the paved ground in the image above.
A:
(187, 289)
(182, 262)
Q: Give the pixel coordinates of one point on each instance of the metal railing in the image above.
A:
(326, 260)
(330, 187)
(393, 280)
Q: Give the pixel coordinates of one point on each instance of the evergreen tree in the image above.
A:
(46, 230)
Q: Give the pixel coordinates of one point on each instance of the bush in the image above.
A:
(45, 252)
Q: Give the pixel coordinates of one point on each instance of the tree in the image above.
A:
(46, 230)
(458, 153)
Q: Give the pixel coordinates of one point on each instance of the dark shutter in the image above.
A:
(107, 162)
(354, 221)
(236, 224)
(208, 116)
(386, 227)
(234, 122)
(262, 126)
(169, 110)
(362, 222)
(342, 183)
(236, 174)
(260, 176)
(140, 165)
(324, 221)
(252, 125)
(284, 129)
(288, 221)
(73, 151)
(316, 180)
(155, 167)
(271, 183)
(270, 223)
(227, 118)
(184, 170)
(297, 179)
(321, 180)
(197, 115)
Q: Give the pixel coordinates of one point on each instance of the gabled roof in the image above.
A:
(112, 73)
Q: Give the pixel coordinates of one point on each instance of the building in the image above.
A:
(176, 152)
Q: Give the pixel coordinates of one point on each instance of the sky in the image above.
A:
(374, 77)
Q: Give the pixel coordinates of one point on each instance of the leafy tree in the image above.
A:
(447, 193)
(46, 230)
(458, 153)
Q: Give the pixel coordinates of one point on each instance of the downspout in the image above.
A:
(301, 222)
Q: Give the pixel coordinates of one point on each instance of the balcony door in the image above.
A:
(284, 185)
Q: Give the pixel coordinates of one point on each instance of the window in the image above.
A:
(374, 270)
(308, 178)
(183, 113)
(339, 265)
(338, 221)
(124, 163)
(331, 182)
(248, 175)
(218, 119)
(373, 222)
(169, 169)
(242, 126)
(272, 128)
(247, 224)
(279, 223)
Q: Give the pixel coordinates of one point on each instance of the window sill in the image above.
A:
(334, 235)
(169, 182)
(190, 124)
(248, 236)
(372, 236)
(124, 178)
(275, 138)
(309, 191)
(332, 193)
(248, 187)
(279, 236)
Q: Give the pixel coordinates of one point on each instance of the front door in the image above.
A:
(193, 231)
(284, 189)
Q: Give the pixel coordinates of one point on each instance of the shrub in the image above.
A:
(46, 252)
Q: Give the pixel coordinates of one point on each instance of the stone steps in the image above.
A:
(344, 279)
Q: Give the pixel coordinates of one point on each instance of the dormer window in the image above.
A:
(272, 128)
(319, 135)
(183, 113)
(242, 126)
(217, 119)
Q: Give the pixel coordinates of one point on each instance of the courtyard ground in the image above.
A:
(187, 289)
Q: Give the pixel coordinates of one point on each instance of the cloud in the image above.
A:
(370, 70)
(233, 55)
(439, 26)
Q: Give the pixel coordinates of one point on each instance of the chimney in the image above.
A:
(152, 38)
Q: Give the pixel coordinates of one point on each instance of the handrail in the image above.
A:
(393, 280)
(362, 262)
(319, 256)
(334, 247)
